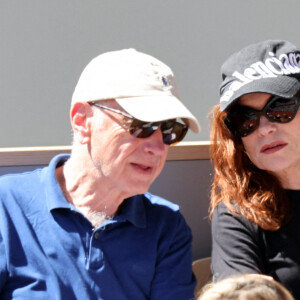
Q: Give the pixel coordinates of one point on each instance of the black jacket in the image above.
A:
(240, 246)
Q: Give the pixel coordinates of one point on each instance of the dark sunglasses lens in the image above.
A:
(242, 121)
(173, 132)
(282, 110)
(142, 129)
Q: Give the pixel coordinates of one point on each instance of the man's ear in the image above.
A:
(80, 114)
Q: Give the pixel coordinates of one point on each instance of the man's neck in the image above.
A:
(87, 193)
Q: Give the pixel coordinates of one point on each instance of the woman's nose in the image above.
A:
(265, 126)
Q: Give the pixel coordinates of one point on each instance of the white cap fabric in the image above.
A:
(144, 86)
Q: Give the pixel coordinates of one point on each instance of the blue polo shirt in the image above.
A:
(49, 250)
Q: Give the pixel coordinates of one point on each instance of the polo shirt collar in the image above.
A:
(54, 195)
(133, 210)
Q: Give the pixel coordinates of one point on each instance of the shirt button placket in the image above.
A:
(96, 254)
(96, 235)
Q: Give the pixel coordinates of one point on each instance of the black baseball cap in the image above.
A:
(271, 66)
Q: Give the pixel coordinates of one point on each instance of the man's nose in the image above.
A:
(154, 143)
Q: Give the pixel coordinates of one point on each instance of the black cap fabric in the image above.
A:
(271, 67)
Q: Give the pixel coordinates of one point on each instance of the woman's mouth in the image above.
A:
(273, 147)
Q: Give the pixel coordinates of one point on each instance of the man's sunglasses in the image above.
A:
(242, 120)
(172, 131)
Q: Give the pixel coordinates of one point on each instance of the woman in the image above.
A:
(255, 198)
(245, 287)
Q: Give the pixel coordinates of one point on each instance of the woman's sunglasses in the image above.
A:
(242, 120)
(172, 131)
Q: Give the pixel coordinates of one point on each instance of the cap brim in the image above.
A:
(283, 86)
(158, 108)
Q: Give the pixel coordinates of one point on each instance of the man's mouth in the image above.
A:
(142, 167)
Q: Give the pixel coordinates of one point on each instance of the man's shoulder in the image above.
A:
(19, 183)
(165, 218)
(31, 179)
(156, 200)
(157, 207)
(11, 178)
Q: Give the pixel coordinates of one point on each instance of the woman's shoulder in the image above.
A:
(224, 209)
(229, 217)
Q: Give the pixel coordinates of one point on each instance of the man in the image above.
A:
(85, 227)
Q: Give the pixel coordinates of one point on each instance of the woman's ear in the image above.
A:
(80, 114)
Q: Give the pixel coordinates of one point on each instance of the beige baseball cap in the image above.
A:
(141, 84)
